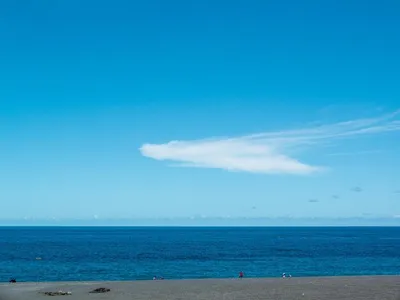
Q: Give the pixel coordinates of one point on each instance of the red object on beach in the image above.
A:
(241, 274)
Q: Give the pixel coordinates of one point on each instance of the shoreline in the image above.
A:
(313, 288)
(201, 279)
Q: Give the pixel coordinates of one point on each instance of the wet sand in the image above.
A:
(323, 288)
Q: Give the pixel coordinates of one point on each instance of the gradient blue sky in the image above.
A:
(253, 92)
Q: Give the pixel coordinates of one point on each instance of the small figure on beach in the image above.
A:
(100, 290)
(154, 277)
(283, 275)
(59, 293)
(241, 274)
(13, 280)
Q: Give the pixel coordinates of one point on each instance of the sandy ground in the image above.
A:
(328, 288)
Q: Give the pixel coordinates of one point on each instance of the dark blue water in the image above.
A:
(128, 253)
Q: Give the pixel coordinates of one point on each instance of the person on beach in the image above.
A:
(241, 274)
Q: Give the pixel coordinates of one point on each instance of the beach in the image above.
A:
(311, 288)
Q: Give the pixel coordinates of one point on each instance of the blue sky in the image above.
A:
(182, 109)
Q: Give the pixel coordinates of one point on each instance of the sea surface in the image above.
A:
(137, 253)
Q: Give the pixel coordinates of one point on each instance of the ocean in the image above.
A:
(139, 253)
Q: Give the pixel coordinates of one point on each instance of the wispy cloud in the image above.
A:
(335, 196)
(366, 152)
(266, 152)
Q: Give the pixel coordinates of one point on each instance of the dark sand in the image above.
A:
(324, 288)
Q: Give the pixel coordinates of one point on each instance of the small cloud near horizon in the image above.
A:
(356, 189)
(266, 152)
(335, 196)
(367, 215)
(313, 200)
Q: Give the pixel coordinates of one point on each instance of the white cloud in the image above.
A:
(265, 152)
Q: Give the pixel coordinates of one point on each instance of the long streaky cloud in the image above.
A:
(266, 152)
